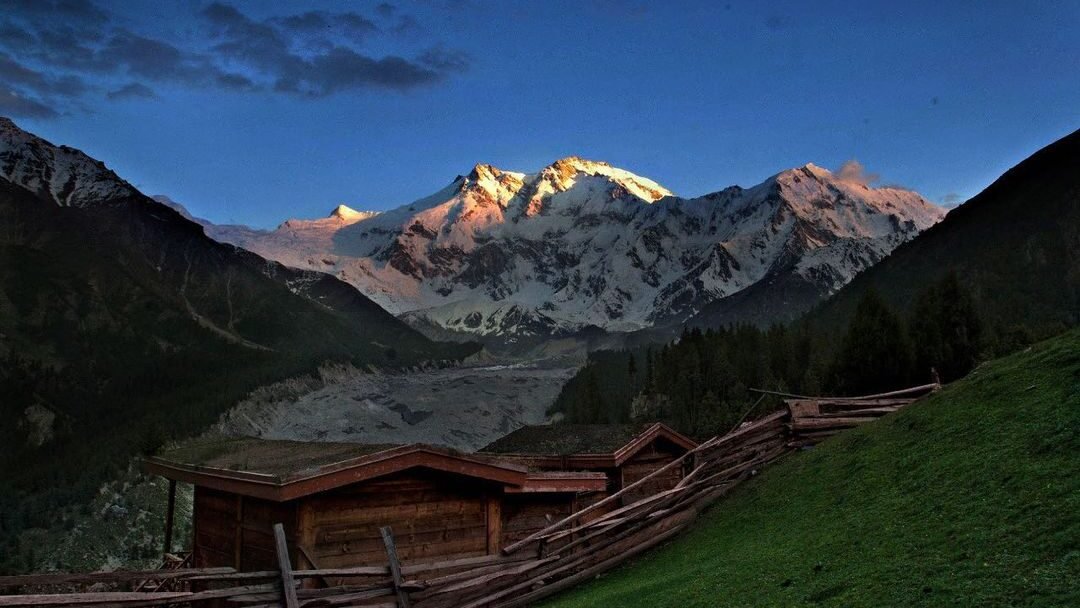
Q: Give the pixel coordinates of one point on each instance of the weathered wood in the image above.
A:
(464, 562)
(494, 524)
(395, 566)
(499, 580)
(488, 578)
(127, 599)
(116, 576)
(812, 424)
(586, 574)
(288, 584)
(312, 593)
(620, 545)
(446, 579)
(169, 509)
(870, 411)
(78, 599)
(730, 437)
(915, 390)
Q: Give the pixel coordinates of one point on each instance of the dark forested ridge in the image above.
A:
(999, 272)
(700, 383)
(1015, 245)
(123, 326)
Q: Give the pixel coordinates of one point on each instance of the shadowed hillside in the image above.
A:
(969, 497)
(1016, 245)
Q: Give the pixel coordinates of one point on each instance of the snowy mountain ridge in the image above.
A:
(580, 243)
(60, 174)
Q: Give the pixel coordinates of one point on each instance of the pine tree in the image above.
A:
(875, 354)
(594, 400)
(946, 329)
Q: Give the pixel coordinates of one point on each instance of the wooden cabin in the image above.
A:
(625, 453)
(333, 498)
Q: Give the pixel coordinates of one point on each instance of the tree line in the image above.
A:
(700, 382)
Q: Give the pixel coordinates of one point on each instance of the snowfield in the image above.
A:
(583, 243)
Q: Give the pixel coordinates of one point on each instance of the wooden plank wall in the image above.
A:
(433, 515)
(237, 531)
(523, 514)
(645, 462)
(215, 524)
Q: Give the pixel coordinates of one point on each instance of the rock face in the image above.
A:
(103, 237)
(581, 243)
(59, 174)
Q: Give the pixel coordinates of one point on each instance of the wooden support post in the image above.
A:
(169, 517)
(395, 566)
(238, 534)
(493, 515)
(288, 585)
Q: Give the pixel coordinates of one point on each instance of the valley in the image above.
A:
(485, 305)
(463, 407)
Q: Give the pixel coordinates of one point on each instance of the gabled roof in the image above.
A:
(285, 470)
(582, 445)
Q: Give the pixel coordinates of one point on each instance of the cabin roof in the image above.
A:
(278, 458)
(285, 470)
(616, 442)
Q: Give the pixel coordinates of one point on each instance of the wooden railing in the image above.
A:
(571, 550)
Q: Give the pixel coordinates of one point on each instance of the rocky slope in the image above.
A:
(581, 243)
(226, 290)
(122, 325)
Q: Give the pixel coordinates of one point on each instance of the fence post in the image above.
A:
(169, 517)
(288, 585)
(395, 566)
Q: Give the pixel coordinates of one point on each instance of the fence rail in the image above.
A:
(557, 557)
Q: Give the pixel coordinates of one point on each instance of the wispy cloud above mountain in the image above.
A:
(58, 56)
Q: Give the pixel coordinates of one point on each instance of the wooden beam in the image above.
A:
(493, 514)
(925, 388)
(238, 533)
(169, 509)
(116, 576)
(715, 441)
(288, 585)
(395, 566)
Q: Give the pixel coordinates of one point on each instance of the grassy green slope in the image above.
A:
(969, 498)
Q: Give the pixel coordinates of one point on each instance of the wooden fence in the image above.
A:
(565, 553)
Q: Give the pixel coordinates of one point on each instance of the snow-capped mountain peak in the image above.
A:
(347, 214)
(581, 242)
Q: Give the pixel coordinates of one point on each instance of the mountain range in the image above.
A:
(122, 325)
(583, 244)
(52, 190)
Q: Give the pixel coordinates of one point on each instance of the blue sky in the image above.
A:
(254, 112)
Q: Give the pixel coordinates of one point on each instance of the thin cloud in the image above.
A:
(853, 171)
(445, 60)
(267, 51)
(19, 106)
(131, 91)
(16, 74)
(352, 26)
(951, 199)
(53, 53)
